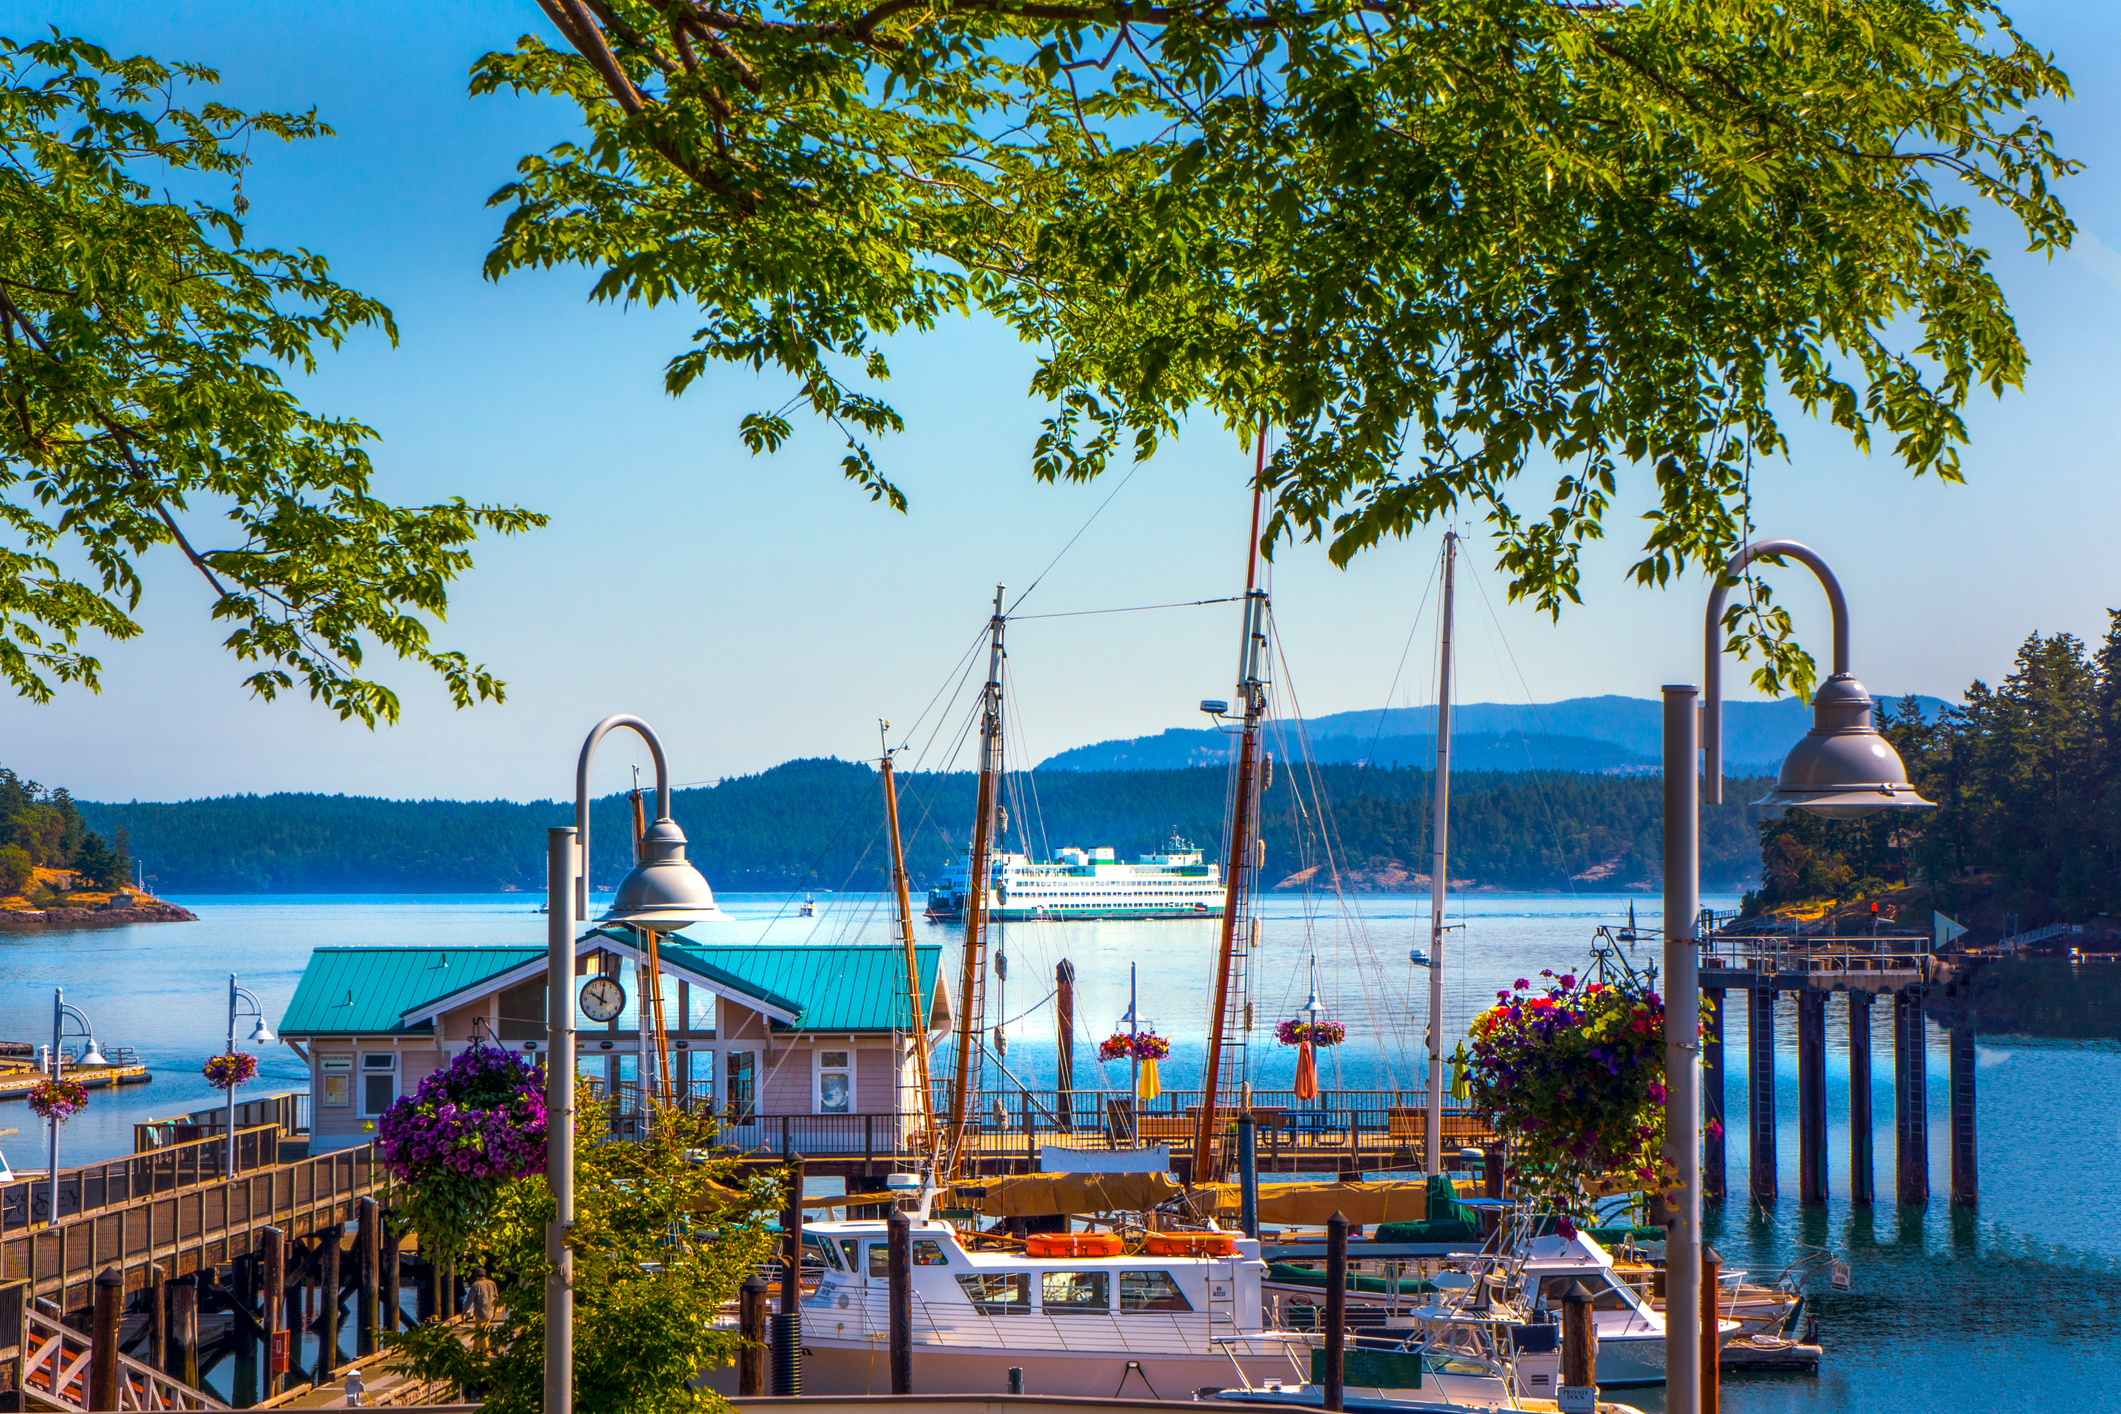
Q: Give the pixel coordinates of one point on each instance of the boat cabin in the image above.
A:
(803, 1044)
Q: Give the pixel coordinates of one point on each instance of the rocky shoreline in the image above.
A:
(154, 911)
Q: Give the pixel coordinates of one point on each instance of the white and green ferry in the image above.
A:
(1087, 883)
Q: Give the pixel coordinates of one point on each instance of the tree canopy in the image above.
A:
(1449, 248)
(141, 339)
(2027, 780)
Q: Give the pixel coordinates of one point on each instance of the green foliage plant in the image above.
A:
(1539, 260)
(103, 864)
(1573, 1076)
(660, 1244)
(141, 343)
(16, 870)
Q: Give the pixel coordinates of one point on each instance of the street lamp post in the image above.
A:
(92, 1054)
(261, 1035)
(1843, 769)
(662, 893)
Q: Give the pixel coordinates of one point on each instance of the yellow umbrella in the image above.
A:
(1147, 1087)
(1461, 1085)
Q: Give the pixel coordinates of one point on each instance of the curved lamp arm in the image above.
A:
(1712, 657)
(581, 794)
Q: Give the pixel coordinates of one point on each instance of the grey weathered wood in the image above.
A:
(103, 1339)
(898, 1233)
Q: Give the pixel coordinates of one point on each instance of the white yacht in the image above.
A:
(1139, 1327)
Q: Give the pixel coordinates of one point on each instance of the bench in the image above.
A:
(1411, 1124)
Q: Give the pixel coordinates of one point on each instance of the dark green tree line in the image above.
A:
(2027, 780)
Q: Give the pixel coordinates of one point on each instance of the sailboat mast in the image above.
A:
(904, 895)
(1243, 857)
(972, 965)
(1440, 860)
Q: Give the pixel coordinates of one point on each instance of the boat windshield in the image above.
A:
(1604, 1295)
(1075, 1292)
(1151, 1291)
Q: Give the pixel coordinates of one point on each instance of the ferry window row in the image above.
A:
(1071, 1293)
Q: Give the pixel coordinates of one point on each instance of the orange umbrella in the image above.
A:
(1306, 1073)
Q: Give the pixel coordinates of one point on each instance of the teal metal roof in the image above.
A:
(839, 987)
(364, 991)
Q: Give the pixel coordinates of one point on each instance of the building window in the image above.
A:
(742, 1092)
(379, 1082)
(337, 1072)
(835, 1082)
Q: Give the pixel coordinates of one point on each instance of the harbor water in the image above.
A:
(2004, 1307)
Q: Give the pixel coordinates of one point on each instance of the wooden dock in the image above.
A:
(16, 1083)
(1814, 969)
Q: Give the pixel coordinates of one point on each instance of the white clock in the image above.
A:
(602, 998)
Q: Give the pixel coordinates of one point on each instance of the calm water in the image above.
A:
(2006, 1307)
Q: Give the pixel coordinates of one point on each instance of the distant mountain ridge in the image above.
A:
(1601, 734)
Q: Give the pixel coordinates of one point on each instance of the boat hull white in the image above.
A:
(834, 1367)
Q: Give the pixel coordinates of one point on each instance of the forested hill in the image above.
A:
(818, 824)
(1578, 734)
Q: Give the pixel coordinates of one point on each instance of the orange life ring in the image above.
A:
(1190, 1244)
(1073, 1244)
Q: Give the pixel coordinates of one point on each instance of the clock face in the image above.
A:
(602, 998)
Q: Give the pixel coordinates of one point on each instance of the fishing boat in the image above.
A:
(1077, 1313)
(808, 909)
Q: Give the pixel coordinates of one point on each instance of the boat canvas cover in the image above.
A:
(1034, 1195)
(1311, 1204)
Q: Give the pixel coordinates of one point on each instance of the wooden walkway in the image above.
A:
(176, 1207)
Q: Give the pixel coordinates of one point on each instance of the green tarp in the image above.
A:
(1448, 1221)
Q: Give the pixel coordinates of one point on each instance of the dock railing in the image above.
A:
(289, 1109)
(1818, 956)
(1019, 1123)
(116, 1182)
(176, 1207)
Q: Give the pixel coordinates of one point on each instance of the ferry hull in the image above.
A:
(1002, 914)
(835, 1367)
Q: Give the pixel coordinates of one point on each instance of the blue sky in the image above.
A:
(756, 609)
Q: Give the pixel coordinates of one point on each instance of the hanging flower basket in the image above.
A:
(226, 1072)
(1122, 1045)
(467, 1131)
(58, 1100)
(1573, 1077)
(1323, 1033)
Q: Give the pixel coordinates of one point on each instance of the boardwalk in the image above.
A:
(177, 1207)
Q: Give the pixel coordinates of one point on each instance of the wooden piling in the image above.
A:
(1966, 1177)
(751, 1323)
(898, 1233)
(393, 1275)
(1712, 1104)
(103, 1339)
(328, 1304)
(275, 1301)
(1491, 1170)
(427, 1304)
(1336, 1311)
(1862, 1182)
(1064, 1018)
(1579, 1340)
(1811, 1098)
(158, 1318)
(370, 1253)
(1711, 1346)
(1760, 1091)
(184, 1319)
(751, 1317)
(1911, 1132)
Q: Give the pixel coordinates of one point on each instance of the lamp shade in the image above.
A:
(1842, 768)
(262, 1035)
(663, 893)
(93, 1055)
